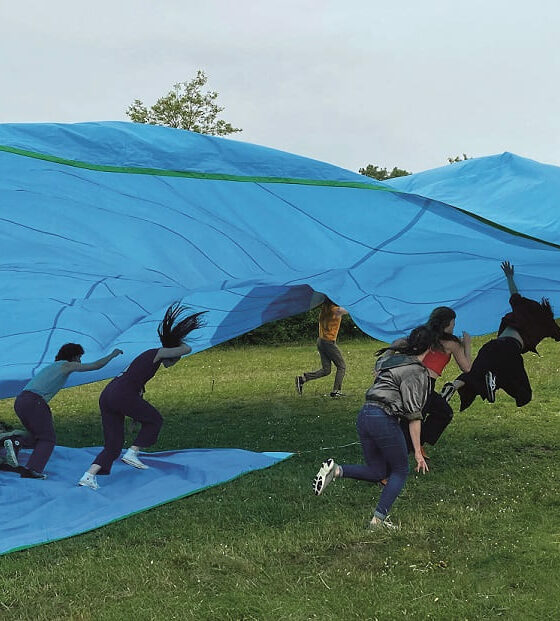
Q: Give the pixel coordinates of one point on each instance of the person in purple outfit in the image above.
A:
(31, 405)
(123, 396)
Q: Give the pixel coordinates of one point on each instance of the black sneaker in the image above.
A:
(336, 394)
(299, 384)
(448, 391)
(27, 473)
(490, 380)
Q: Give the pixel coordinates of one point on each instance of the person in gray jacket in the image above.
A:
(399, 391)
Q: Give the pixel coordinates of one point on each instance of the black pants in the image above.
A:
(502, 357)
(436, 415)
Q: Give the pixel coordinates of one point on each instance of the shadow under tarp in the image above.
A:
(36, 512)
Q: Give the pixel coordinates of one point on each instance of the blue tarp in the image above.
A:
(103, 225)
(36, 512)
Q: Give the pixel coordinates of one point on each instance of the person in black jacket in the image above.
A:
(499, 363)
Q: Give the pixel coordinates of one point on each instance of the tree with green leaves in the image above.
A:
(186, 107)
(452, 160)
(381, 173)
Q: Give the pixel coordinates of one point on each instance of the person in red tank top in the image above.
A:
(437, 413)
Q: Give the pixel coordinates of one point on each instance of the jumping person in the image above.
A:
(329, 325)
(123, 396)
(400, 390)
(437, 412)
(499, 363)
(31, 405)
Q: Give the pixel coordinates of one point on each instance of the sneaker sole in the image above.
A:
(490, 388)
(82, 484)
(324, 477)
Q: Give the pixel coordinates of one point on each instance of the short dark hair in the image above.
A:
(69, 351)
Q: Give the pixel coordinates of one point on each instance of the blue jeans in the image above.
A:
(385, 454)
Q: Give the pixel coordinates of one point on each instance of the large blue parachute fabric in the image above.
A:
(103, 225)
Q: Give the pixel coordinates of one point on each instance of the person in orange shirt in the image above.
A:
(329, 324)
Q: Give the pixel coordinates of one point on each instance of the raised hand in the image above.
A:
(507, 267)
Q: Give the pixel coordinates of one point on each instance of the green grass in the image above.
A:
(479, 537)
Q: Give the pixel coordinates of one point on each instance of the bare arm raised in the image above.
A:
(172, 352)
(508, 270)
(92, 366)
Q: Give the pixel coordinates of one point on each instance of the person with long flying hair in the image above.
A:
(399, 391)
(437, 412)
(123, 395)
(31, 405)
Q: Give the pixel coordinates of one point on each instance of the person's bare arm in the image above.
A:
(93, 366)
(340, 311)
(508, 270)
(414, 426)
(173, 352)
(462, 352)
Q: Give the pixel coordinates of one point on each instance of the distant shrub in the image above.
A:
(299, 328)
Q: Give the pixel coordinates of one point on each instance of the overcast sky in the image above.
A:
(404, 83)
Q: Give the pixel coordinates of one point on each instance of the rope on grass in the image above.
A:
(325, 448)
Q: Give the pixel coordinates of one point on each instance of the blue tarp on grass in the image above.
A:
(36, 512)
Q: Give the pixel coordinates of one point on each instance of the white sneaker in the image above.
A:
(378, 524)
(11, 457)
(89, 480)
(131, 458)
(324, 477)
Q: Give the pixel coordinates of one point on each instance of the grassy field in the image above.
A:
(479, 536)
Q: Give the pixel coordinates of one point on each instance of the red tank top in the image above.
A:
(435, 360)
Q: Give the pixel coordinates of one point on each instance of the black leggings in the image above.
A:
(436, 415)
(503, 357)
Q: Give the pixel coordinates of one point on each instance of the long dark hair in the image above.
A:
(172, 329)
(69, 351)
(439, 319)
(417, 342)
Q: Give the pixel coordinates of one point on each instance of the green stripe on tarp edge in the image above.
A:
(160, 172)
(159, 504)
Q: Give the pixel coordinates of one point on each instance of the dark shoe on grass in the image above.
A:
(27, 473)
(299, 384)
(448, 391)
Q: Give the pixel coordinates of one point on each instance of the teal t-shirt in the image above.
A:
(49, 380)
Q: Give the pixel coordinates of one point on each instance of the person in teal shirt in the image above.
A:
(31, 405)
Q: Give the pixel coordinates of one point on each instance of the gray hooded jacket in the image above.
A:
(401, 386)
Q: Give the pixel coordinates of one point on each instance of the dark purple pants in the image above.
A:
(36, 416)
(116, 402)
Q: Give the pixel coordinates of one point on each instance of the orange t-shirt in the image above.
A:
(329, 323)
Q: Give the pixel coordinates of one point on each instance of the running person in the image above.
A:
(400, 390)
(499, 363)
(329, 325)
(31, 405)
(123, 396)
(437, 412)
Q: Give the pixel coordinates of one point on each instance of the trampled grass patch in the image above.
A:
(479, 537)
